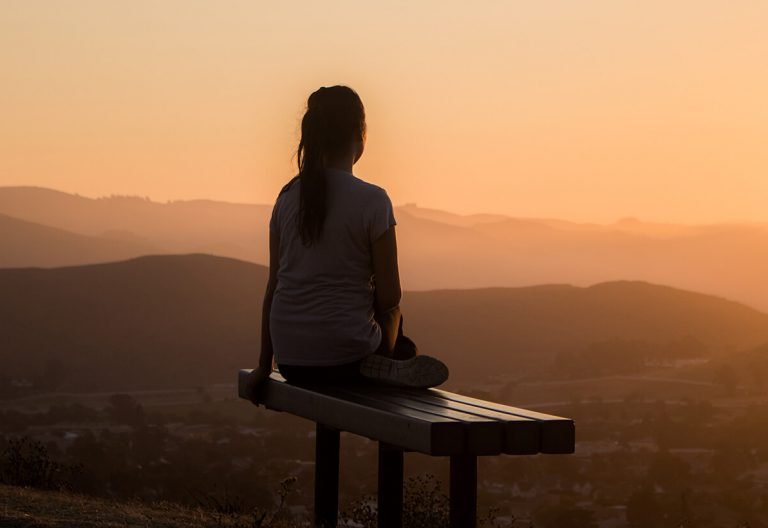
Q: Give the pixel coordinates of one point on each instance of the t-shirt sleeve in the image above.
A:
(381, 216)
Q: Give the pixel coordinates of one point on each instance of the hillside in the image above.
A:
(193, 226)
(437, 249)
(501, 326)
(29, 508)
(158, 321)
(27, 244)
(187, 320)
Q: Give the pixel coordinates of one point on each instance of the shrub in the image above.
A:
(26, 462)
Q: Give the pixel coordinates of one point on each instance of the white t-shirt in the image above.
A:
(322, 309)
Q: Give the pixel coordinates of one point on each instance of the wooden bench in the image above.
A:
(430, 421)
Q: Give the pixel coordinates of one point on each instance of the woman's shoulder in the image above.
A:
(360, 190)
(288, 186)
(365, 189)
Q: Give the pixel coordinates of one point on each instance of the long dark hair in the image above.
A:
(335, 119)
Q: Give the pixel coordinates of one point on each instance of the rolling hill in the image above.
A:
(204, 226)
(438, 249)
(27, 244)
(187, 320)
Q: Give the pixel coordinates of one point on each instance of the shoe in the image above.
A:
(420, 372)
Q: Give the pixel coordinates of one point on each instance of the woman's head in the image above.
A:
(332, 129)
(333, 126)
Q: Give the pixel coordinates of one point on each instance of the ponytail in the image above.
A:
(335, 118)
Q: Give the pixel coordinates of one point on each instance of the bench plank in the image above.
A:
(522, 436)
(484, 436)
(413, 430)
(558, 434)
(430, 421)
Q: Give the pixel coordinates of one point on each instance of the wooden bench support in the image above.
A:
(390, 510)
(463, 492)
(326, 477)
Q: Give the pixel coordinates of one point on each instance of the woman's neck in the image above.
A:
(346, 167)
(343, 163)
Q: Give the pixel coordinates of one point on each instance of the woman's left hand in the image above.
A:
(257, 379)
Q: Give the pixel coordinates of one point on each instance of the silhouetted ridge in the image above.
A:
(501, 329)
(482, 249)
(154, 321)
(29, 244)
(668, 299)
(186, 320)
(177, 227)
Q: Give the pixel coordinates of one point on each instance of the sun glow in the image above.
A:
(589, 111)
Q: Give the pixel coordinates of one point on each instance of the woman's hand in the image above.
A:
(257, 380)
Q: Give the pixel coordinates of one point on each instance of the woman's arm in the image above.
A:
(260, 375)
(387, 280)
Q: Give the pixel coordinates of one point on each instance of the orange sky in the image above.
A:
(588, 110)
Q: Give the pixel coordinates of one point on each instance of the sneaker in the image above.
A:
(419, 372)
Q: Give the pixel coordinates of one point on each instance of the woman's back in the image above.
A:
(323, 307)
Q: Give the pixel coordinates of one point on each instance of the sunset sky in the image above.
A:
(584, 110)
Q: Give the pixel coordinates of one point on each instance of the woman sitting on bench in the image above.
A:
(331, 309)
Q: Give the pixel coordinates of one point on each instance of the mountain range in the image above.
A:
(437, 249)
(187, 320)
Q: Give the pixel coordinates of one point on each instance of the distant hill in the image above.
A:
(445, 217)
(491, 330)
(204, 226)
(153, 321)
(28, 244)
(186, 320)
(438, 249)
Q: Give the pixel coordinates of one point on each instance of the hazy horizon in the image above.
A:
(483, 250)
(399, 205)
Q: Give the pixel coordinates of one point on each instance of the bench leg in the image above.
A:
(463, 491)
(326, 477)
(390, 510)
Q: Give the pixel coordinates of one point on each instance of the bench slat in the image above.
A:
(413, 430)
(558, 434)
(484, 436)
(522, 436)
(430, 421)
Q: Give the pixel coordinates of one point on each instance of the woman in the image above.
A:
(331, 308)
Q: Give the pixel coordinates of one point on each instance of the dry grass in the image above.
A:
(29, 508)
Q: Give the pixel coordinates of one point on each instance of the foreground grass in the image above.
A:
(30, 508)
